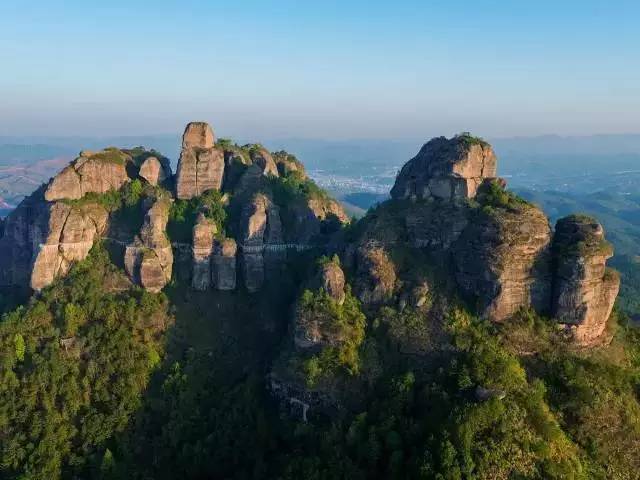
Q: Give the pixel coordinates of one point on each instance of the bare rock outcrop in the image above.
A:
(446, 169)
(503, 259)
(96, 172)
(43, 240)
(204, 232)
(149, 258)
(261, 157)
(224, 264)
(154, 171)
(261, 225)
(376, 276)
(584, 288)
(201, 164)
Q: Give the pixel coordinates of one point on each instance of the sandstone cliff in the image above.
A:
(584, 289)
(149, 258)
(503, 260)
(201, 164)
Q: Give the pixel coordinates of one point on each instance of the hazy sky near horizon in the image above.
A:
(329, 69)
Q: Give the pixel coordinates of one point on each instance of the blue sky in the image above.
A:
(350, 69)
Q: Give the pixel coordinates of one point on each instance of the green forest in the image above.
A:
(103, 382)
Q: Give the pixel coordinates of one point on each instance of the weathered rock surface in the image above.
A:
(446, 169)
(154, 171)
(201, 164)
(330, 278)
(198, 135)
(376, 277)
(224, 264)
(260, 225)
(149, 258)
(204, 232)
(584, 289)
(42, 240)
(263, 159)
(503, 259)
(91, 172)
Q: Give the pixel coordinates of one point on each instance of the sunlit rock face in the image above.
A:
(446, 169)
(584, 289)
(201, 165)
(91, 172)
(503, 258)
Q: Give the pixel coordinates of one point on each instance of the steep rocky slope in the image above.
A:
(495, 248)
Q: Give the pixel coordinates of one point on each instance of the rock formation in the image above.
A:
(201, 164)
(224, 264)
(42, 240)
(90, 172)
(204, 232)
(149, 258)
(330, 278)
(314, 329)
(446, 169)
(262, 158)
(375, 274)
(502, 258)
(584, 289)
(260, 225)
(154, 171)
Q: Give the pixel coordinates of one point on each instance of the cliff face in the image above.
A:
(584, 289)
(148, 259)
(201, 165)
(502, 258)
(490, 247)
(495, 247)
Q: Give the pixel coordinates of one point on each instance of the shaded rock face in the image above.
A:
(584, 289)
(375, 274)
(503, 259)
(43, 240)
(261, 225)
(203, 237)
(224, 265)
(201, 164)
(149, 258)
(446, 169)
(91, 172)
(154, 171)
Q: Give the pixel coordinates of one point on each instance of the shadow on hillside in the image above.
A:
(205, 412)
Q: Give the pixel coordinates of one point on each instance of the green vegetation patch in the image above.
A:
(75, 363)
(183, 215)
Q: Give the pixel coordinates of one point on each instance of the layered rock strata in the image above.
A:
(584, 289)
(201, 164)
(503, 258)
